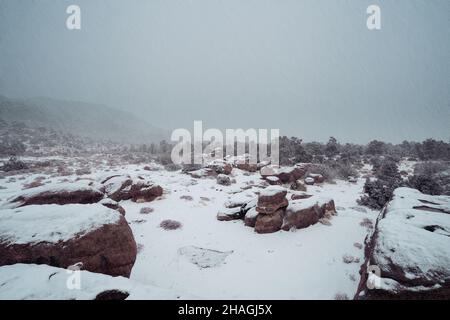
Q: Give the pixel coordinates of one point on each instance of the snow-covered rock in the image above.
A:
(250, 217)
(62, 235)
(59, 193)
(137, 189)
(271, 199)
(110, 203)
(411, 247)
(318, 178)
(303, 213)
(43, 282)
(269, 223)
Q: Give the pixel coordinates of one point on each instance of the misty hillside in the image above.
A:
(80, 118)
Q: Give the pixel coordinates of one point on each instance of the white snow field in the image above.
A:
(211, 259)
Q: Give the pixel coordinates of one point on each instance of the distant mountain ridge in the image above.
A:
(80, 118)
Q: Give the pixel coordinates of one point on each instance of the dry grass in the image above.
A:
(341, 296)
(358, 245)
(366, 222)
(170, 225)
(146, 210)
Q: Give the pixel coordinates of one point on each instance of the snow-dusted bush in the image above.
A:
(13, 164)
(378, 192)
(170, 225)
(431, 178)
(325, 170)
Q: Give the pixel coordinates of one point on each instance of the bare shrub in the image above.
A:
(146, 210)
(33, 184)
(14, 164)
(341, 296)
(170, 225)
(348, 258)
(358, 245)
(366, 222)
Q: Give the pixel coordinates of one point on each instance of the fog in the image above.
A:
(310, 68)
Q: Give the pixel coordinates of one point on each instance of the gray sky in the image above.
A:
(308, 67)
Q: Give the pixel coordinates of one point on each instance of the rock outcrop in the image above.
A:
(98, 237)
(121, 188)
(303, 213)
(61, 193)
(407, 256)
(271, 210)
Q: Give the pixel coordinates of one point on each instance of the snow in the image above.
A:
(297, 205)
(53, 223)
(252, 213)
(309, 180)
(271, 191)
(310, 259)
(42, 282)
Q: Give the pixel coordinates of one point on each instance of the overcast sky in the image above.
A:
(308, 67)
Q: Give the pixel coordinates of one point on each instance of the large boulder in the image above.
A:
(98, 237)
(121, 188)
(290, 174)
(410, 248)
(269, 223)
(59, 193)
(303, 213)
(271, 199)
(318, 178)
(228, 214)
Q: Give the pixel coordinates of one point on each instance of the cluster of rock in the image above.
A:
(407, 256)
(222, 167)
(120, 188)
(275, 175)
(271, 211)
(74, 223)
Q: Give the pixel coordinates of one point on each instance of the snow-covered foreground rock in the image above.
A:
(63, 235)
(42, 282)
(206, 258)
(411, 247)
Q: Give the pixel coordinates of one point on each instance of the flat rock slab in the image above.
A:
(204, 258)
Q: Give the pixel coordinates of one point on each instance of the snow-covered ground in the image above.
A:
(214, 259)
